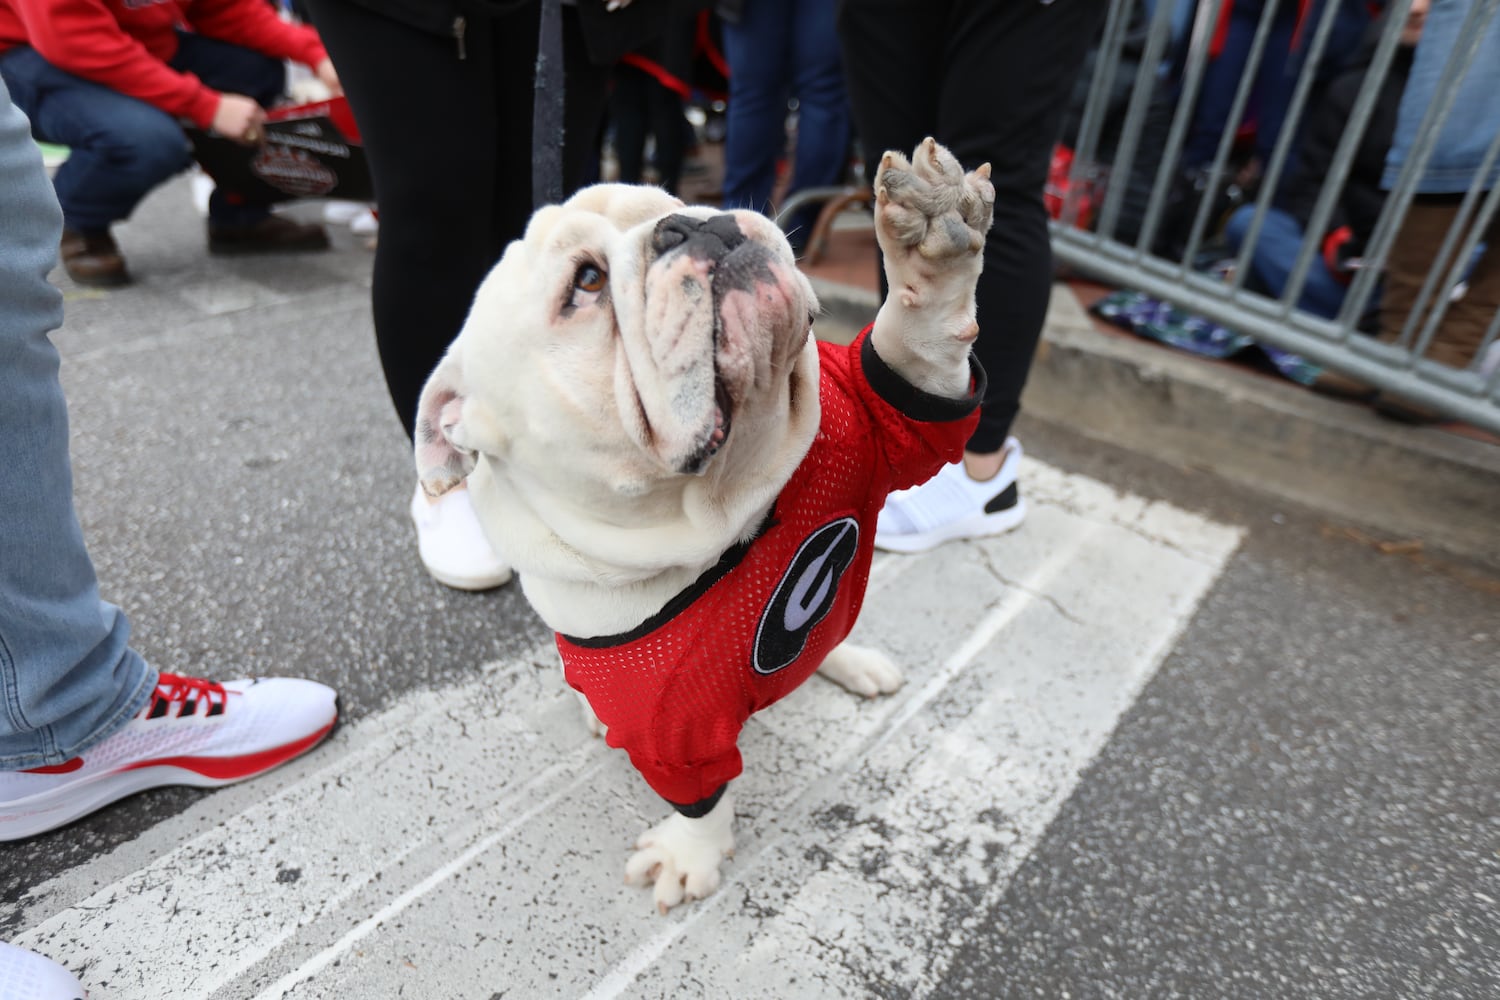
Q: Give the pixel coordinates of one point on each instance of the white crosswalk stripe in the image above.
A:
(470, 842)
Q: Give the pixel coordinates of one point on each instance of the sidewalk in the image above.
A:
(1410, 485)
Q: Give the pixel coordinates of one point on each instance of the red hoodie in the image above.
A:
(125, 44)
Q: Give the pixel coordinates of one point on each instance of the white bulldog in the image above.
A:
(685, 479)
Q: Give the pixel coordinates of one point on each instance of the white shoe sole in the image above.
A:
(973, 526)
(473, 584)
(49, 810)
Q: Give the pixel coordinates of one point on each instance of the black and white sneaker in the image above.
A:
(951, 505)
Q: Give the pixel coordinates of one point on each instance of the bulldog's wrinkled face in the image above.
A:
(627, 341)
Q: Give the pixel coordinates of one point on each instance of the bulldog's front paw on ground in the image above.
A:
(680, 856)
(931, 219)
(861, 670)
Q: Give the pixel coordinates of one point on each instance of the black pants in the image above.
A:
(449, 144)
(989, 79)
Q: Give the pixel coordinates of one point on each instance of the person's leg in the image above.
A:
(586, 93)
(1002, 74)
(665, 112)
(1462, 331)
(83, 720)
(1417, 240)
(66, 670)
(757, 49)
(1008, 71)
(627, 112)
(431, 138)
(1276, 250)
(822, 154)
(120, 148)
(892, 110)
(67, 675)
(1221, 78)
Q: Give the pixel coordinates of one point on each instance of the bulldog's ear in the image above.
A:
(452, 429)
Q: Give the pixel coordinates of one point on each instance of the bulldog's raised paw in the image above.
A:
(679, 857)
(931, 219)
(861, 670)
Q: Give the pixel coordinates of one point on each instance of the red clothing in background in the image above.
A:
(125, 44)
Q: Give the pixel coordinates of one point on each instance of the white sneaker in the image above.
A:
(191, 732)
(25, 975)
(452, 544)
(951, 505)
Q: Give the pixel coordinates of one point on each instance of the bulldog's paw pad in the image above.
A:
(929, 205)
(863, 671)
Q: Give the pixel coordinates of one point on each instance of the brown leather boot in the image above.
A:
(93, 259)
(273, 234)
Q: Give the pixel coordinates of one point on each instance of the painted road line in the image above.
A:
(479, 842)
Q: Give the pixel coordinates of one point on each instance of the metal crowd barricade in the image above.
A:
(1100, 247)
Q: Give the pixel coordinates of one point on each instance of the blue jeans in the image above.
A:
(122, 148)
(1271, 263)
(67, 677)
(1472, 122)
(778, 50)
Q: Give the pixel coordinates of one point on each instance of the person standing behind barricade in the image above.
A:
(989, 80)
(1360, 200)
(111, 79)
(1466, 135)
(444, 93)
(777, 50)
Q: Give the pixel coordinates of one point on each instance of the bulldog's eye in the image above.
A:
(589, 278)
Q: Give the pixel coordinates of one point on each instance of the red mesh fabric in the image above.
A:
(676, 697)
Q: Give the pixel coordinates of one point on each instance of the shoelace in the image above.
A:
(171, 689)
(185, 693)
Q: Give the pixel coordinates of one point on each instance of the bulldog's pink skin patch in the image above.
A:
(767, 310)
(443, 466)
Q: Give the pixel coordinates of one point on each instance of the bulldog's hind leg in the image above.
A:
(680, 856)
(862, 670)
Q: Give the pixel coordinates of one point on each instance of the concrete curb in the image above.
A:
(1410, 483)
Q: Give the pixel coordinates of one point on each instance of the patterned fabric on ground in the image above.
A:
(1163, 322)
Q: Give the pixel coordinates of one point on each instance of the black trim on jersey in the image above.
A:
(701, 808)
(731, 558)
(914, 402)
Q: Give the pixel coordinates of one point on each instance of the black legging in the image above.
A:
(989, 79)
(449, 146)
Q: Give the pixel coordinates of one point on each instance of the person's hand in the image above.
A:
(329, 76)
(239, 118)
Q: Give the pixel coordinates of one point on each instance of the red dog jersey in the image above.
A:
(676, 690)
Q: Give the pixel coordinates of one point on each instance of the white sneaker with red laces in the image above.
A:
(25, 975)
(191, 732)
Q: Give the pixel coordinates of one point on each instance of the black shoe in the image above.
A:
(273, 234)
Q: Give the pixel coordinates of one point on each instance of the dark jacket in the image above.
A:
(1359, 204)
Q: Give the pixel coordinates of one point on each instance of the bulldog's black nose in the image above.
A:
(709, 238)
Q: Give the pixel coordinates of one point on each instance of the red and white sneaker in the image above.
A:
(191, 732)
